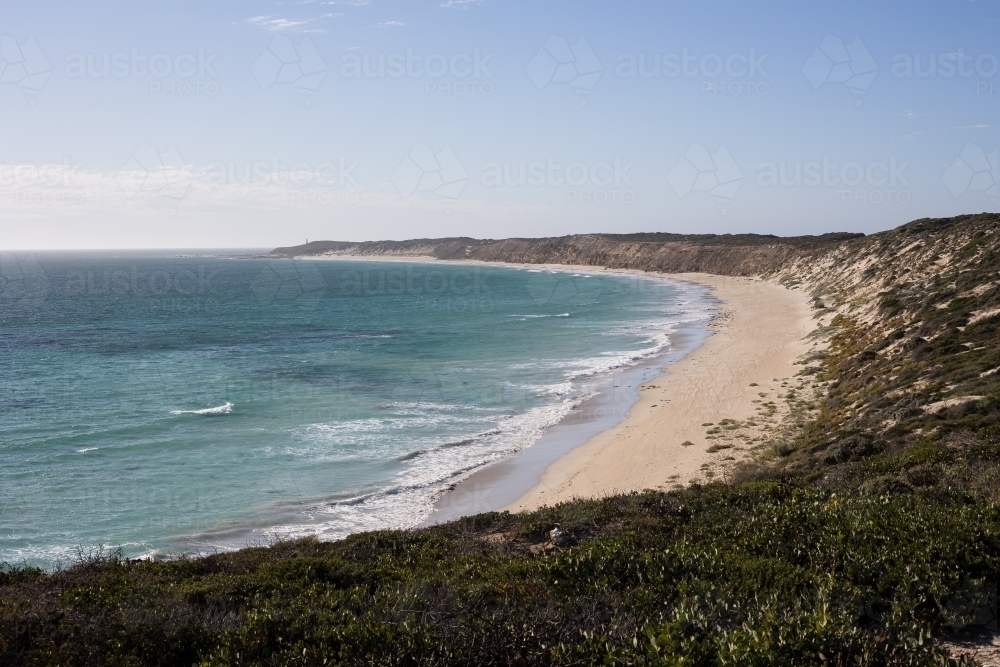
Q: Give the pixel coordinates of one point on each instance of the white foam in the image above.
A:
(226, 409)
(85, 449)
(434, 461)
(411, 495)
(408, 498)
(407, 425)
(62, 555)
(536, 317)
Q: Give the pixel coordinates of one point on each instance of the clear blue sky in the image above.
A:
(255, 124)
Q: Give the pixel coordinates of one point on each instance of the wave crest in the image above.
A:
(226, 409)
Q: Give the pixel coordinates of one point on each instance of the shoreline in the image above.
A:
(499, 484)
(760, 331)
(746, 352)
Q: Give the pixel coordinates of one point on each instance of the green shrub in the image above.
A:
(757, 573)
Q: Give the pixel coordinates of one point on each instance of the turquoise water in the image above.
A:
(167, 404)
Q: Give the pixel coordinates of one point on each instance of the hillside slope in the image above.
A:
(914, 354)
(741, 254)
(868, 533)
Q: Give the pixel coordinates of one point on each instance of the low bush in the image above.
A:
(756, 573)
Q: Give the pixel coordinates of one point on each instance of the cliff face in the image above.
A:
(745, 254)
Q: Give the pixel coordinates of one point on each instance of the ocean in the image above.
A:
(169, 402)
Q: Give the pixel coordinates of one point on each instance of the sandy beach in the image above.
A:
(675, 433)
(760, 331)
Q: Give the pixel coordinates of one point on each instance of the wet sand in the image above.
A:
(646, 429)
(759, 333)
(503, 483)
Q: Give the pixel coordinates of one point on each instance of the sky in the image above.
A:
(260, 124)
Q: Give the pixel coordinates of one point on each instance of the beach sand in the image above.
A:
(747, 363)
(760, 331)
